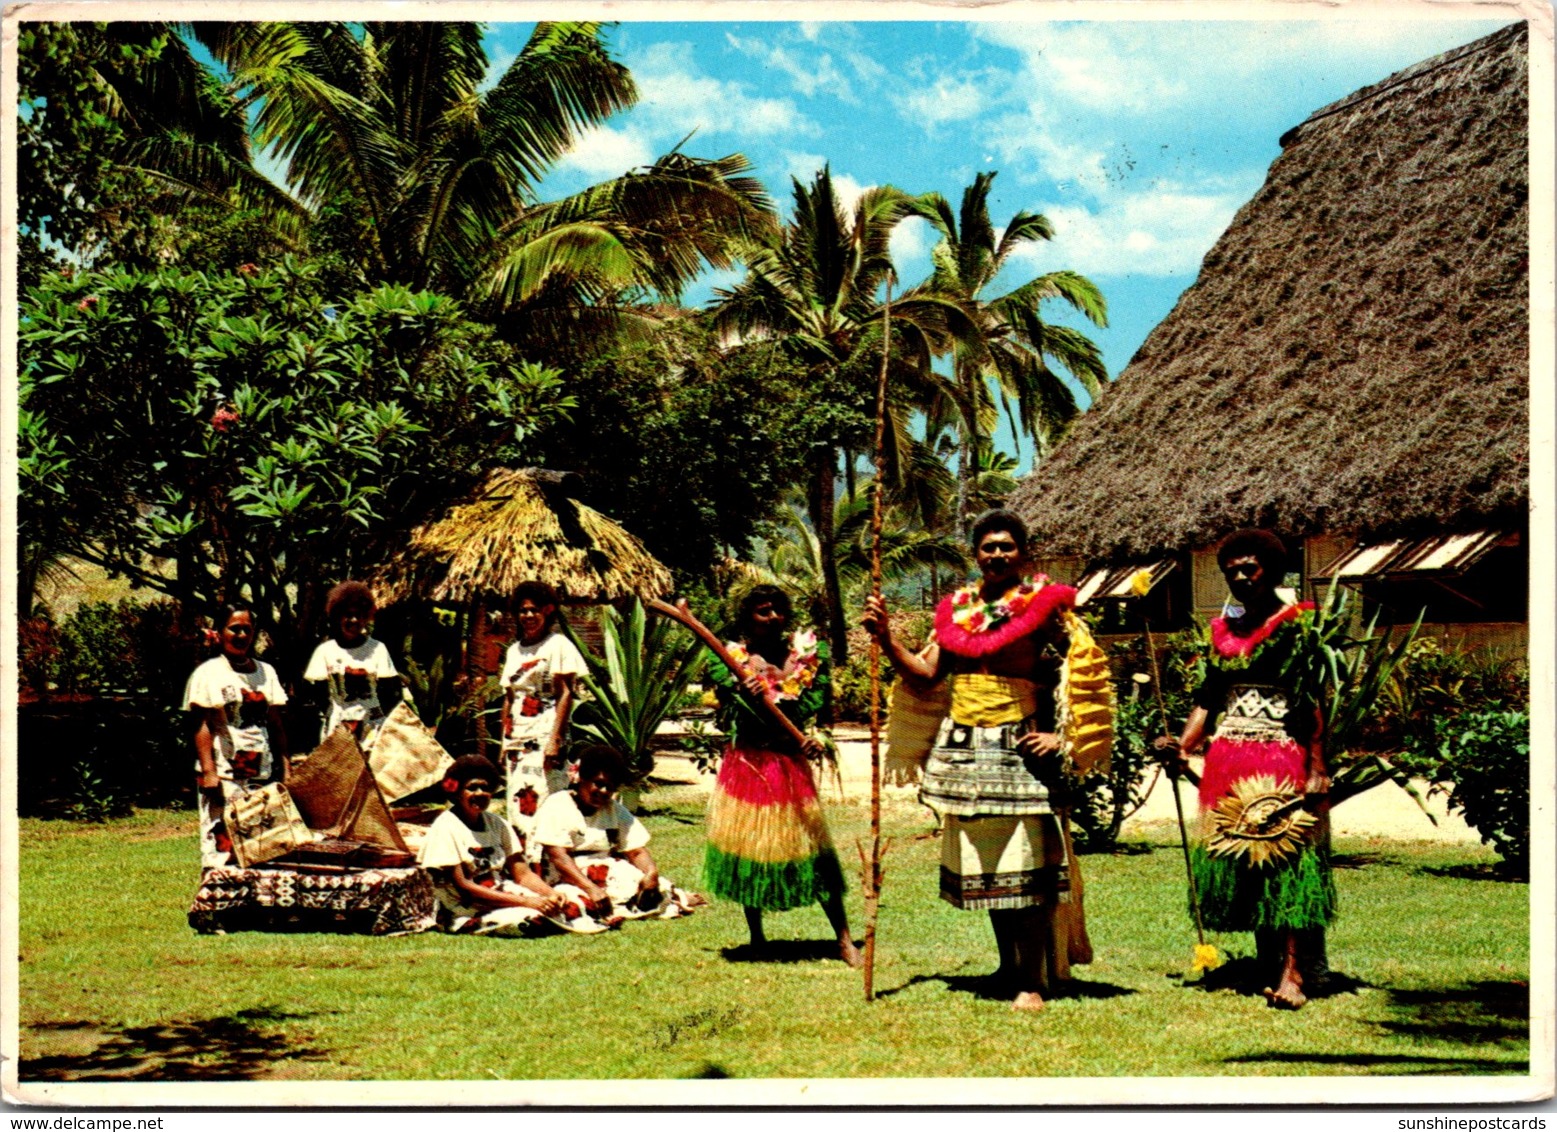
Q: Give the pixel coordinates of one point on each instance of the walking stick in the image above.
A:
(1206, 955)
(872, 868)
(680, 612)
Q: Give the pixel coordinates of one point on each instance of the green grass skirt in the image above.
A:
(1237, 898)
(772, 886)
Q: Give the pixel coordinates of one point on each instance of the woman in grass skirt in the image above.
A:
(768, 847)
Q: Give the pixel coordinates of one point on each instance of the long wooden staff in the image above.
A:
(680, 612)
(872, 868)
(1205, 955)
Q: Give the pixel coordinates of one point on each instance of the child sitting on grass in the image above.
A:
(477, 862)
(592, 843)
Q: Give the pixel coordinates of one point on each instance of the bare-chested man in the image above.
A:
(996, 773)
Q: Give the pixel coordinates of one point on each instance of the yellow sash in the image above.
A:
(980, 699)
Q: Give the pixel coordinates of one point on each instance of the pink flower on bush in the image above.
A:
(247, 269)
(224, 418)
(86, 303)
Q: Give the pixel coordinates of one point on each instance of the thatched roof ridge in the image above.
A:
(1354, 355)
(518, 525)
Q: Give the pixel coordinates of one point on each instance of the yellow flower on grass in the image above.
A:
(1207, 958)
(1141, 582)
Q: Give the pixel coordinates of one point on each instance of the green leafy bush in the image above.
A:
(1484, 768)
(851, 687)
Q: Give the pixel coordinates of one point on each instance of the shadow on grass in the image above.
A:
(1395, 1063)
(708, 1071)
(1361, 860)
(1479, 1013)
(996, 988)
(1247, 975)
(782, 951)
(1480, 870)
(226, 1048)
(673, 815)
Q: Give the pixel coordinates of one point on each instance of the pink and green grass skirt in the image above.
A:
(1297, 893)
(767, 845)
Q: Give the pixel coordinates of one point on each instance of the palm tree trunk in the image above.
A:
(824, 479)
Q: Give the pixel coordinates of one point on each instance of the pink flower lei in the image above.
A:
(967, 625)
(799, 671)
(1229, 646)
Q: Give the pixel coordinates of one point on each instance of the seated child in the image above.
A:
(592, 844)
(469, 850)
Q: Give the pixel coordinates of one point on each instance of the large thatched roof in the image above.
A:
(1354, 355)
(516, 526)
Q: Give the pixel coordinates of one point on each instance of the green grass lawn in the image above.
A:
(1433, 956)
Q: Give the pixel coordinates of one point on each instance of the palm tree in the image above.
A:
(814, 285)
(1012, 353)
(391, 122)
(793, 558)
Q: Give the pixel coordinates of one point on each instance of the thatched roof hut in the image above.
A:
(518, 525)
(1354, 355)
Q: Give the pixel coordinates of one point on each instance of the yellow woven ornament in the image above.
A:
(1086, 702)
(1259, 822)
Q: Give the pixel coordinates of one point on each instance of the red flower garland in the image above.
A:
(1050, 600)
(1230, 644)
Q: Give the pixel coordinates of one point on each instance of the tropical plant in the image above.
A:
(1009, 357)
(792, 559)
(1484, 768)
(637, 681)
(1347, 675)
(813, 285)
(396, 121)
(252, 434)
(122, 130)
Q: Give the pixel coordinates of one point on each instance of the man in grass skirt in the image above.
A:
(996, 774)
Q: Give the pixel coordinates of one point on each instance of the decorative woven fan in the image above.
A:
(1261, 822)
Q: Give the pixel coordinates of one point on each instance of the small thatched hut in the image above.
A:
(518, 525)
(1350, 369)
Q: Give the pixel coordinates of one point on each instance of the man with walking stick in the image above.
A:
(996, 774)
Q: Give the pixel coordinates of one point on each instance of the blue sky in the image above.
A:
(1139, 139)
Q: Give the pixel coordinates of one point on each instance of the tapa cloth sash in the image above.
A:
(978, 770)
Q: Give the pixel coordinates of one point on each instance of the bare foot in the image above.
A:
(1027, 1000)
(850, 954)
(1287, 996)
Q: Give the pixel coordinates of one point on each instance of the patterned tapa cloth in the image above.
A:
(1003, 862)
(1254, 749)
(364, 901)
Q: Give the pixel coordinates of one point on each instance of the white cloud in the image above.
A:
(675, 95)
(804, 168)
(948, 99)
(1146, 67)
(1166, 231)
(811, 30)
(604, 152)
(809, 76)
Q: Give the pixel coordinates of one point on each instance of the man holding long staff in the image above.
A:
(996, 773)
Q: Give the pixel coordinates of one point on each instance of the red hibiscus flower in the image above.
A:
(529, 801)
(572, 911)
(223, 842)
(976, 622)
(247, 269)
(224, 418)
(529, 706)
(597, 873)
(245, 764)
